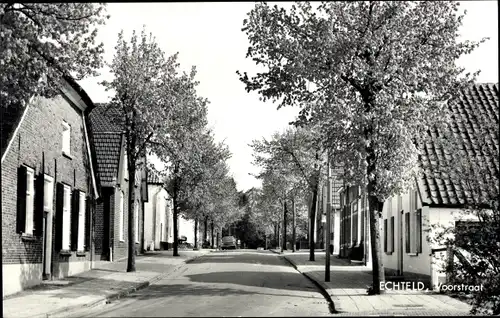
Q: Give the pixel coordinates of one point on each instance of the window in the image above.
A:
(48, 198)
(122, 211)
(385, 236)
(25, 200)
(125, 166)
(136, 217)
(81, 223)
(66, 219)
(390, 227)
(354, 209)
(66, 138)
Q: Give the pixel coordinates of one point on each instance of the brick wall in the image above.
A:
(40, 134)
(103, 216)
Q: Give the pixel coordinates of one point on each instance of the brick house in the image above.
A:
(433, 199)
(48, 188)
(111, 236)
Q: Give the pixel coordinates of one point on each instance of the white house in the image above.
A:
(158, 218)
(434, 199)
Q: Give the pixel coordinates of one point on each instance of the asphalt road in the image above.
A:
(225, 284)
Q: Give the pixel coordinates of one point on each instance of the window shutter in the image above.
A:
(38, 210)
(59, 215)
(88, 212)
(392, 234)
(385, 235)
(407, 232)
(21, 199)
(418, 217)
(75, 211)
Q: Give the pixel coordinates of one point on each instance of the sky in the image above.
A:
(209, 36)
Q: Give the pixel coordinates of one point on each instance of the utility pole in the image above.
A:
(328, 216)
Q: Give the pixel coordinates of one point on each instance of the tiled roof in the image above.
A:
(106, 119)
(474, 117)
(108, 147)
(153, 177)
(107, 134)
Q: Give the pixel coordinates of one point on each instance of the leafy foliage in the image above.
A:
(291, 163)
(40, 41)
(142, 76)
(373, 75)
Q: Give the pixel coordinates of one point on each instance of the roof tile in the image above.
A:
(474, 115)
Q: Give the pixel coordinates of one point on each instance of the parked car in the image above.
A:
(228, 242)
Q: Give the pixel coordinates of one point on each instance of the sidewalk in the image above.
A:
(106, 282)
(347, 290)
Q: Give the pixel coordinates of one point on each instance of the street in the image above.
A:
(225, 283)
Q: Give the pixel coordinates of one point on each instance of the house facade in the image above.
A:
(433, 199)
(111, 237)
(158, 217)
(49, 189)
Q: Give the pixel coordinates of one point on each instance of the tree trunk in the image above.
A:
(218, 237)
(284, 226)
(377, 265)
(275, 233)
(196, 233)
(176, 221)
(312, 220)
(205, 229)
(212, 230)
(294, 231)
(279, 235)
(131, 217)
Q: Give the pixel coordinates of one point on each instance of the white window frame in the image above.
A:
(30, 195)
(122, 211)
(136, 217)
(66, 230)
(81, 223)
(48, 193)
(66, 138)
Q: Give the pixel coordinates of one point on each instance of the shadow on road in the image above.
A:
(275, 280)
(239, 256)
(178, 290)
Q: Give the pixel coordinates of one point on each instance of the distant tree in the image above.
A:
(141, 72)
(374, 76)
(180, 145)
(40, 42)
(299, 150)
(207, 167)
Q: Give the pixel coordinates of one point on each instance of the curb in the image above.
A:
(78, 310)
(319, 284)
